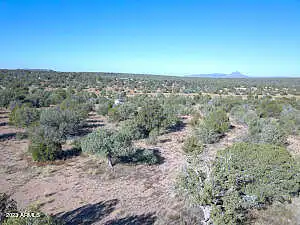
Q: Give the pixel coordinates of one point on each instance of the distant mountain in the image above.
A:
(37, 70)
(220, 75)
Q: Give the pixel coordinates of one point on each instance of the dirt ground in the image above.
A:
(82, 190)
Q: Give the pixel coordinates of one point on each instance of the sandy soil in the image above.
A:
(82, 190)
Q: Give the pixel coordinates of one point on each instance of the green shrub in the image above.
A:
(247, 176)
(192, 145)
(103, 108)
(43, 151)
(266, 131)
(113, 114)
(24, 116)
(213, 127)
(107, 144)
(196, 118)
(127, 111)
(243, 114)
(152, 139)
(6, 96)
(269, 108)
(55, 127)
(21, 135)
(144, 156)
(290, 120)
(132, 129)
(59, 124)
(152, 116)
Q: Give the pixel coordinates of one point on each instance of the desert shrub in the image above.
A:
(152, 116)
(116, 145)
(153, 135)
(269, 108)
(244, 176)
(21, 135)
(55, 127)
(6, 96)
(59, 124)
(213, 127)
(42, 151)
(127, 111)
(251, 176)
(78, 105)
(103, 108)
(54, 99)
(290, 120)
(107, 144)
(132, 129)
(143, 156)
(113, 114)
(196, 118)
(192, 145)
(243, 114)
(24, 116)
(266, 131)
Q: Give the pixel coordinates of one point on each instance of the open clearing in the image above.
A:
(82, 188)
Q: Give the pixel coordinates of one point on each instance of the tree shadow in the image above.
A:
(177, 127)
(94, 121)
(4, 137)
(144, 219)
(69, 153)
(142, 156)
(165, 140)
(93, 125)
(2, 124)
(88, 214)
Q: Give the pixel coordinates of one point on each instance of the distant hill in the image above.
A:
(220, 75)
(37, 70)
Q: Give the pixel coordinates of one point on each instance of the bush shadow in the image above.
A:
(2, 124)
(95, 125)
(144, 219)
(179, 126)
(142, 156)
(94, 121)
(69, 153)
(4, 137)
(88, 214)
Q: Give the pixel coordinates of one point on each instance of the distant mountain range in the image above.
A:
(220, 75)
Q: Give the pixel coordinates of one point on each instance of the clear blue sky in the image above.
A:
(257, 38)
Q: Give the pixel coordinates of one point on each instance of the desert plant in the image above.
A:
(152, 139)
(55, 127)
(247, 176)
(24, 116)
(212, 127)
(107, 143)
(290, 120)
(192, 145)
(266, 131)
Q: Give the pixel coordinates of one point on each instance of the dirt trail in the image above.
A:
(83, 187)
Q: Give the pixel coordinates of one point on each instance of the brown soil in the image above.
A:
(82, 188)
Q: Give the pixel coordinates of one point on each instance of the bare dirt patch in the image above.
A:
(82, 188)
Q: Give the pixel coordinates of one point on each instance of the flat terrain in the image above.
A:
(82, 188)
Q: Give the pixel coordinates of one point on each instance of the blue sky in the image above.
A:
(257, 38)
